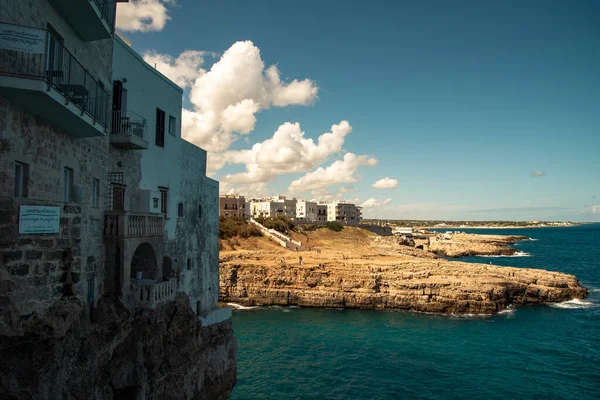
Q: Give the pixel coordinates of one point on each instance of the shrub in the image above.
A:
(335, 226)
(236, 226)
(280, 224)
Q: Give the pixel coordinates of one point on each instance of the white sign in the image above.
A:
(39, 219)
(22, 38)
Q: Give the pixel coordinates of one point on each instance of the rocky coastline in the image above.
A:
(357, 269)
(465, 245)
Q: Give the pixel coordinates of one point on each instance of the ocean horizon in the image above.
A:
(538, 351)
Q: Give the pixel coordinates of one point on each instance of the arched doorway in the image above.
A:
(167, 268)
(144, 263)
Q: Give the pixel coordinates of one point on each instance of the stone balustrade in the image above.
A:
(127, 224)
(148, 295)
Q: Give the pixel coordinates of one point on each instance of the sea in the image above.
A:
(526, 352)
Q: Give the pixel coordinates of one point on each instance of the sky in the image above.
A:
(435, 109)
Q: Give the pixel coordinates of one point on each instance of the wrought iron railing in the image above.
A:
(61, 70)
(108, 10)
(128, 123)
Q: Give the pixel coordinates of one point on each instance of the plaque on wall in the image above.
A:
(39, 219)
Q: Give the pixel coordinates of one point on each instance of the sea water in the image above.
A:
(525, 352)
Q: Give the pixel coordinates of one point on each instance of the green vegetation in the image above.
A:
(280, 224)
(236, 226)
(335, 226)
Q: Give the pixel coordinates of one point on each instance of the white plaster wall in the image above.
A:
(147, 90)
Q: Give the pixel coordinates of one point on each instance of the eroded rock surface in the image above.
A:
(360, 270)
(163, 353)
(464, 244)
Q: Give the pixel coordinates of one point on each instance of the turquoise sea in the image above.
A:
(531, 352)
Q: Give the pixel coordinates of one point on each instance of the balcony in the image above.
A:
(124, 224)
(128, 131)
(39, 75)
(148, 294)
(90, 19)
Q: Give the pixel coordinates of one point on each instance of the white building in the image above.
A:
(342, 212)
(306, 210)
(276, 206)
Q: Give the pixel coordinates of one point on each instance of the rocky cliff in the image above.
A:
(462, 245)
(163, 353)
(360, 270)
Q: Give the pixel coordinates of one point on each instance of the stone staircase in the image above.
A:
(283, 240)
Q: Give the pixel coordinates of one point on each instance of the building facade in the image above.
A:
(342, 212)
(306, 210)
(232, 206)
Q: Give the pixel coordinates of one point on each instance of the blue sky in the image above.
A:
(460, 101)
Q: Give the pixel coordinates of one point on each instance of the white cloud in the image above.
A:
(143, 15)
(182, 70)
(596, 209)
(227, 98)
(386, 183)
(288, 151)
(537, 174)
(340, 171)
(373, 202)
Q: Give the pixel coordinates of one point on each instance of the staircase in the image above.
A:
(283, 240)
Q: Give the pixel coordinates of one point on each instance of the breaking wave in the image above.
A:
(517, 254)
(240, 307)
(509, 311)
(575, 304)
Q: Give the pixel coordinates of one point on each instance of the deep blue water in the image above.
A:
(535, 352)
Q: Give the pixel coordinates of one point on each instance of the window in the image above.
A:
(164, 198)
(180, 210)
(120, 123)
(172, 126)
(160, 127)
(115, 192)
(68, 184)
(189, 264)
(56, 70)
(95, 192)
(199, 212)
(21, 175)
(225, 208)
(155, 202)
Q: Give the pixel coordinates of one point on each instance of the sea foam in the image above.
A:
(517, 254)
(508, 311)
(240, 307)
(575, 304)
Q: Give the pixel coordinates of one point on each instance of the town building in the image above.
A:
(100, 195)
(232, 206)
(275, 206)
(321, 212)
(343, 212)
(306, 210)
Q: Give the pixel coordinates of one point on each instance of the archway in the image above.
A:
(167, 268)
(144, 262)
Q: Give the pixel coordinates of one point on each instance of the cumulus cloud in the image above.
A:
(182, 70)
(373, 202)
(596, 209)
(143, 15)
(288, 151)
(340, 171)
(386, 183)
(227, 97)
(537, 174)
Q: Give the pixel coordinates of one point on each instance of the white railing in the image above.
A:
(277, 236)
(125, 224)
(149, 295)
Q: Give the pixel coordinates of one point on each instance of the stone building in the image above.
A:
(341, 211)
(233, 206)
(101, 201)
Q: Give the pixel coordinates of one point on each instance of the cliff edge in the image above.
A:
(161, 353)
(357, 269)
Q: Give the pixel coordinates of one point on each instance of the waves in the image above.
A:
(517, 254)
(508, 311)
(575, 304)
(236, 306)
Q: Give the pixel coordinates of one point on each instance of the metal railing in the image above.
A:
(128, 123)
(126, 224)
(61, 70)
(108, 10)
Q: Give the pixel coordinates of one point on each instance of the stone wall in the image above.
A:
(95, 56)
(197, 231)
(37, 270)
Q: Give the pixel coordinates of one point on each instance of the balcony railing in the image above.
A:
(128, 123)
(149, 295)
(108, 10)
(125, 224)
(61, 70)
